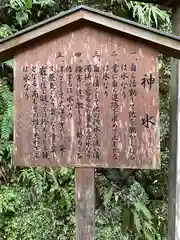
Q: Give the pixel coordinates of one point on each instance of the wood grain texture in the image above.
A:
(80, 101)
(85, 204)
(174, 163)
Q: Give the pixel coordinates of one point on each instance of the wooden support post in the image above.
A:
(85, 204)
(174, 164)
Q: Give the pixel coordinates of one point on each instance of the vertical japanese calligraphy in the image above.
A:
(35, 115)
(148, 121)
(44, 101)
(26, 80)
(96, 107)
(61, 107)
(124, 81)
(147, 81)
(106, 79)
(52, 86)
(132, 113)
(79, 106)
(70, 97)
(86, 102)
(89, 100)
(115, 106)
(88, 111)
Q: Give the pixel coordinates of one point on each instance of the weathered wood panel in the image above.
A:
(88, 98)
(85, 204)
(174, 163)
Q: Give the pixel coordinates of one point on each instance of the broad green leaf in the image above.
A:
(148, 226)
(17, 4)
(28, 4)
(21, 17)
(107, 197)
(137, 221)
(11, 208)
(141, 207)
(126, 215)
(155, 14)
(148, 236)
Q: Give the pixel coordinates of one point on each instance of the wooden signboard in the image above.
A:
(87, 98)
(86, 95)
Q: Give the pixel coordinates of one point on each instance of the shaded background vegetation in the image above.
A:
(39, 204)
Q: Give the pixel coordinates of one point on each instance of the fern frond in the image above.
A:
(67, 197)
(36, 177)
(36, 180)
(3, 146)
(6, 110)
(6, 30)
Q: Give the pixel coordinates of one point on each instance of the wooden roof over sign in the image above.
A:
(163, 42)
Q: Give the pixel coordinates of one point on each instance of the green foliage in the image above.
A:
(136, 217)
(36, 178)
(6, 30)
(23, 219)
(38, 223)
(125, 214)
(141, 220)
(12, 198)
(5, 110)
(5, 128)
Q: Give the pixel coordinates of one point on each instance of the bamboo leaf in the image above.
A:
(137, 221)
(141, 207)
(126, 218)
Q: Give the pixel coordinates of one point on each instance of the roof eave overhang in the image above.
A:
(9, 47)
(165, 43)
